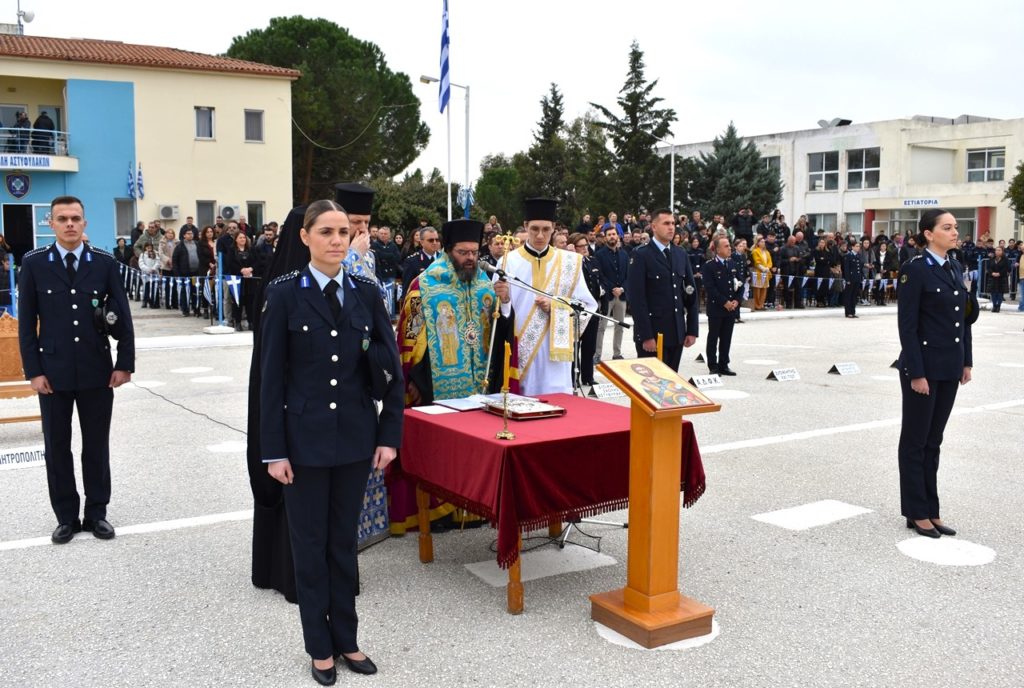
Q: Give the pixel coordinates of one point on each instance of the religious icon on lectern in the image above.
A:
(656, 386)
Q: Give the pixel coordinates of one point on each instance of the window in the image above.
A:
(826, 221)
(124, 216)
(824, 171)
(204, 122)
(206, 211)
(862, 168)
(986, 164)
(254, 214)
(773, 163)
(855, 224)
(254, 126)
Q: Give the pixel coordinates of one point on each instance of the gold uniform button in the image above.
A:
(333, 406)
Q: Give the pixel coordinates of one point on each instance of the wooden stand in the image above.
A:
(10, 368)
(650, 610)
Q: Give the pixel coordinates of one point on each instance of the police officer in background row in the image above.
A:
(722, 289)
(935, 314)
(71, 293)
(327, 351)
(662, 294)
(853, 274)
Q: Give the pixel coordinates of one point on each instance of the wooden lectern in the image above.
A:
(650, 610)
(12, 378)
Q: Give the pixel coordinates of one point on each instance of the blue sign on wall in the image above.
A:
(17, 184)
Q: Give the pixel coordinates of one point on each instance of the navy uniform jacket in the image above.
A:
(317, 408)
(68, 349)
(416, 263)
(613, 266)
(658, 295)
(935, 333)
(720, 287)
(853, 267)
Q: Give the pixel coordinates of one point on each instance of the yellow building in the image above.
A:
(139, 133)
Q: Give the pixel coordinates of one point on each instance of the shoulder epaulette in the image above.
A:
(42, 249)
(285, 277)
(363, 278)
(100, 251)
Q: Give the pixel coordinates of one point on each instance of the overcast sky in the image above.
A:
(768, 67)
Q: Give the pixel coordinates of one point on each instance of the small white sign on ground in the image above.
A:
(783, 374)
(706, 381)
(946, 551)
(849, 368)
(22, 457)
(606, 390)
(542, 563)
(811, 515)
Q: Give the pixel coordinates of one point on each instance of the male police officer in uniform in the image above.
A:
(853, 274)
(662, 294)
(73, 294)
(720, 285)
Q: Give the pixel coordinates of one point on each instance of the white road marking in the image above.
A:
(617, 638)
(726, 394)
(1011, 365)
(946, 551)
(211, 379)
(811, 515)
(542, 563)
(155, 527)
(855, 427)
(227, 447)
(761, 361)
(192, 370)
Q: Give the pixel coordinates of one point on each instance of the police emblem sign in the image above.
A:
(17, 184)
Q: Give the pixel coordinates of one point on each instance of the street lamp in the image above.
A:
(433, 80)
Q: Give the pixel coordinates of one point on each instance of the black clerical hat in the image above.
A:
(354, 198)
(540, 209)
(461, 230)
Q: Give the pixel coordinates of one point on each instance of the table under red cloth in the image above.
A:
(573, 466)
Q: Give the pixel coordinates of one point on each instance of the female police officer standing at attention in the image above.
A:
(328, 350)
(935, 336)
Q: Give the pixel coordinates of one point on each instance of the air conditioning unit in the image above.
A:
(230, 212)
(167, 211)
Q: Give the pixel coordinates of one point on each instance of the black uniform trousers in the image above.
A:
(670, 355)
(323, 507)
(719, 340)
(851, 292)
(924, 420)
(94, 409)
(588, 348)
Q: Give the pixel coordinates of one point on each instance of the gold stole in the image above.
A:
(559, 278)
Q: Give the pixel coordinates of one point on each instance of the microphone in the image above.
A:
(490, 269)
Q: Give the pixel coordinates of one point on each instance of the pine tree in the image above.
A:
(1015, 191)
(543, 171)
(640, 171)
(734, 176)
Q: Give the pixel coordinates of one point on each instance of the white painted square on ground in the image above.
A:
(541, 563)
(811, 515)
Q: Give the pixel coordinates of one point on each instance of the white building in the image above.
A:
(876, 177)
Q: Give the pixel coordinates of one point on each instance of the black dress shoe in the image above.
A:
(945, 530)
(927, 532)
(100, 528)
(65, 532)
(713, 369)
(726, 370)
(361, 666)
(325, 677)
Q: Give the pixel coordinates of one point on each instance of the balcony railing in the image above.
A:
(34, 141)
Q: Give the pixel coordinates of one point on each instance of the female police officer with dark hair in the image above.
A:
(935, 317)
(327, 351)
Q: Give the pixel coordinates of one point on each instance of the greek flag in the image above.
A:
(131, 180)
(444, 88)
(138, 184)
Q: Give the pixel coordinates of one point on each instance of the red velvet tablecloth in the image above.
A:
(573, 466)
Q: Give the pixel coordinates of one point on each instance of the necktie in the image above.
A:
(668, 255)
(69, 259)
(331, 294)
